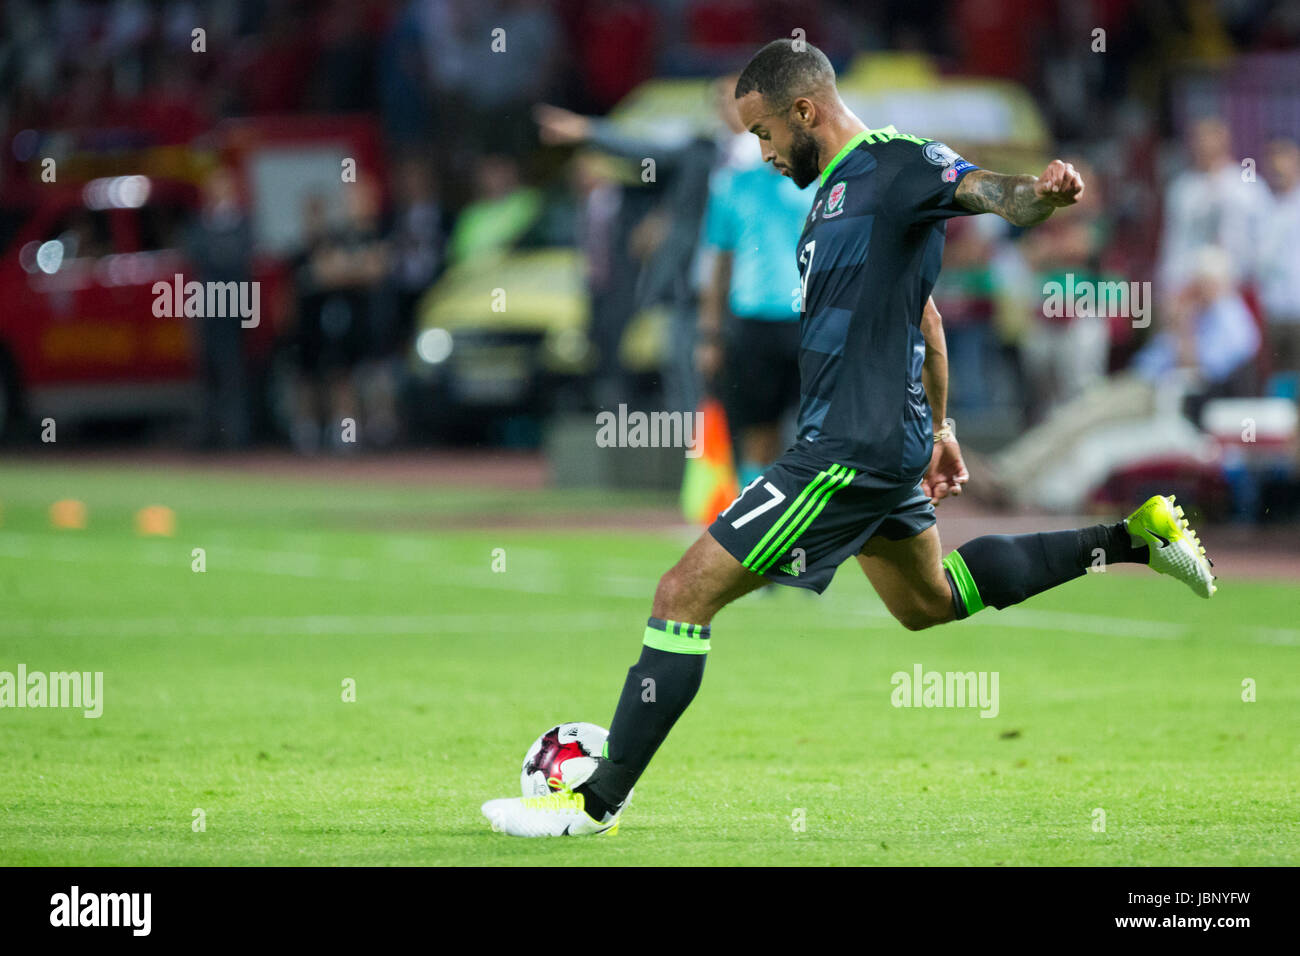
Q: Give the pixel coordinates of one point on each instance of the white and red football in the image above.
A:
(545, 763)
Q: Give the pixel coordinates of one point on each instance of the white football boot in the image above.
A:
(557, 814)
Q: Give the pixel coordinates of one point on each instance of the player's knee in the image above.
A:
(914, 621)
(917, 617)
(672, 596)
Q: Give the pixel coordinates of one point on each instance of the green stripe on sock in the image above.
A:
(966, 589)
(761, 547)
(817, 507)
(675, 643)
(766, 551)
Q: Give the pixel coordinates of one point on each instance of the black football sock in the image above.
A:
(999, 570)
(658, 689)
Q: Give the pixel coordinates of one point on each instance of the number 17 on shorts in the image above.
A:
(776, 514)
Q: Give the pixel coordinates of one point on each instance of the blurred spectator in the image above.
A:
(354, 265)
(404, 85)
(487, 61)
(340, 278)
(964, 296)
(615, 47)
(1146, 414)
(720, 26)
(315, 352)
(512, 65)
(1209, 204)
(415, 249)
(503, 209)
(1066, 354)
(667, 239)
(417, 243)
(171, 110)
(1279, 260)
(275, 75)
(343, 78)
(603, 228)
(219, 245)
(1211, 331)
(1000, 38)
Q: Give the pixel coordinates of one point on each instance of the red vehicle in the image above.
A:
(79, 260)
(79, 337)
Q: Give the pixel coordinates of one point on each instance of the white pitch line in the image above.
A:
(313, 624)
(443, 573)
(1106, 625)
(1085, 623)
(1276, 635)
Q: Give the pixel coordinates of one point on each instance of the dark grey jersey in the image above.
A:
(868, 257)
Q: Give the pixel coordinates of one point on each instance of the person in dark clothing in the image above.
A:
(309, 343)
(219, 244)
(350, 266)
(338, 279)
(667, 237)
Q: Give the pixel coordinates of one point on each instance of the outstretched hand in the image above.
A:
(947, 472)
(560, 127)
(1060, 184)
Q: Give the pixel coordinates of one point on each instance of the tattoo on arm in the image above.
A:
(1011, 197)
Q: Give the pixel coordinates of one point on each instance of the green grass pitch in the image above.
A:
(223, 692)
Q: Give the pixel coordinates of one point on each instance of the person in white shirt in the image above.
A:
(1279, 257)
(1210, 203)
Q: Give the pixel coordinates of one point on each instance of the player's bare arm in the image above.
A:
(947, 472)
(1021, 200)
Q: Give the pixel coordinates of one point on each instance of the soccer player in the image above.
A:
(866, 470)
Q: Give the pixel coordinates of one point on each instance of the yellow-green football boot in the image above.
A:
(1174, 548)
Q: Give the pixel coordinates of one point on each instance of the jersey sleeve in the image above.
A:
(925, 185)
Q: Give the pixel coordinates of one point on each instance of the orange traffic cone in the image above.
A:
(68, 514)
(156, 520)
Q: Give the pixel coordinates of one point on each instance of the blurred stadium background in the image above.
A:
(455, 279)
(380, 169)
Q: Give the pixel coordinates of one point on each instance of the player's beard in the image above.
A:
(804, 156)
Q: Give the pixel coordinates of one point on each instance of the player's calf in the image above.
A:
(664, 680)
(1002, 570)
(999, 570)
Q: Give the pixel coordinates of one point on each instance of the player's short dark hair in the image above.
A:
(782, 74)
